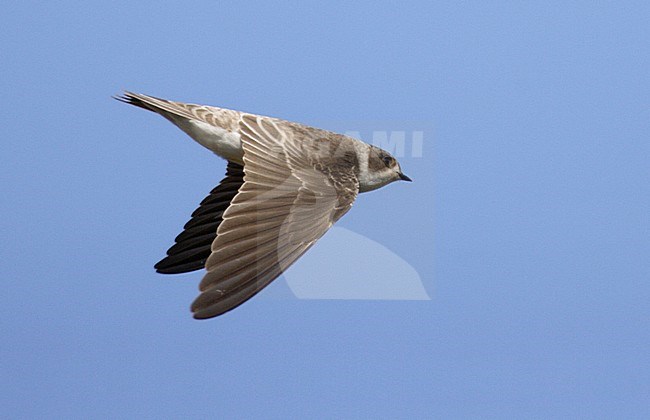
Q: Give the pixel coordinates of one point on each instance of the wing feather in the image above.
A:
(286, 203)
(194, 245)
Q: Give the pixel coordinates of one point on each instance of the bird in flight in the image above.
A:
(286, 184)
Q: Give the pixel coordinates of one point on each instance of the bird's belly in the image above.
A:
(222, 142)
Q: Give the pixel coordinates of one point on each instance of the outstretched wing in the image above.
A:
(193, 245)
(296, 186)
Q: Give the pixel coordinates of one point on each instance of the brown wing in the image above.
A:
(289, 199)
(193, 245)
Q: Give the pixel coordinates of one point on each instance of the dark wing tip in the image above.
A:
(193, 246)
(175, 265)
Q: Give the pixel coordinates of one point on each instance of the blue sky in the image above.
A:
(528, 221)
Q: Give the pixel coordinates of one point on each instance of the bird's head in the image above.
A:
(382, 169)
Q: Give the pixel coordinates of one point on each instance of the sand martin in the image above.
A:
(286, 184)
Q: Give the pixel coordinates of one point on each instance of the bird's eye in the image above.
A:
(388, 160)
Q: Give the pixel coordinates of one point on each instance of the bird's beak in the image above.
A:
(404, 177)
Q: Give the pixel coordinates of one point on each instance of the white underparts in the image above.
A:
(224, 143)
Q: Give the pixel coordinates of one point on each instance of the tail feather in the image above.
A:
(160, 106)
